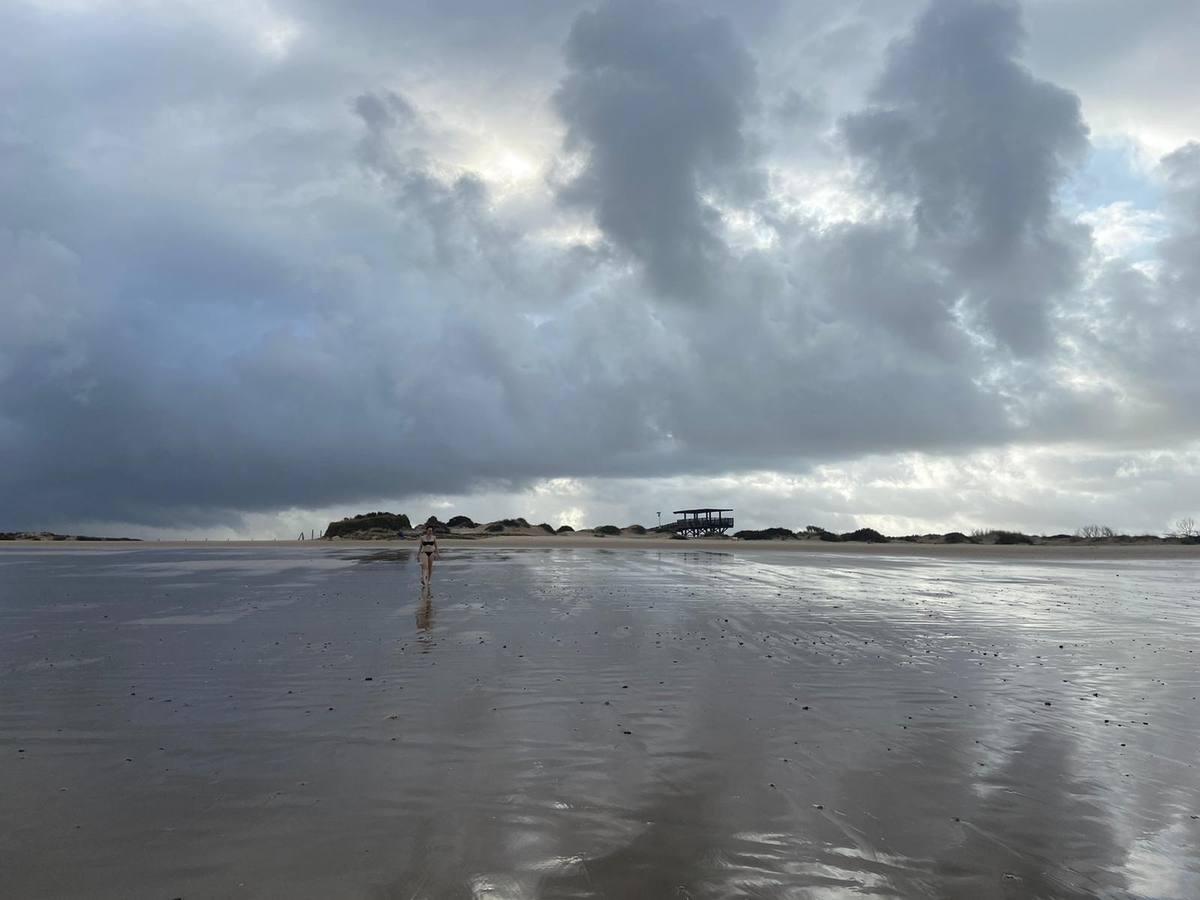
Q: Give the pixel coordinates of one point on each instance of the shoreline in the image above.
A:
(1081, 551)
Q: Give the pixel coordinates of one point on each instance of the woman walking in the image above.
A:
(426, 554)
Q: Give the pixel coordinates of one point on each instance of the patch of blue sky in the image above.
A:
(1114, 172)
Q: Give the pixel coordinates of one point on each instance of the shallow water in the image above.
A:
(582, 723)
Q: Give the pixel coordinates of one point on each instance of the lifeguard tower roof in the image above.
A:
(705, 520)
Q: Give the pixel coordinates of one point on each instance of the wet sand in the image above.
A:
(283, 721)
(1085, 550)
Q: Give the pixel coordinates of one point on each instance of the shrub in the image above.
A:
(1011, 537)
(955, 537)
(606, 529)
(564, 529)
(828, 536)
(461, 522)
(765, 534)
(866, 535)
(1092, 532)
(385, 521)
(814, 529)
(637, 529)
(547, 527)
(501, 524)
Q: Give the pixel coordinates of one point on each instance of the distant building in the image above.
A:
(697, 522)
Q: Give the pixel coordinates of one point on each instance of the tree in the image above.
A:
(1094, 531)
(1186, 527)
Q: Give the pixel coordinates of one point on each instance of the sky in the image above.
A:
(918, 266)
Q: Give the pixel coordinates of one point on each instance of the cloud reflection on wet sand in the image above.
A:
(590, 724)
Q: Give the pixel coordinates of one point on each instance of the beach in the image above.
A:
(532, 540)
(599, 717)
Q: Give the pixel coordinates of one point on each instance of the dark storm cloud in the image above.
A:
(656, 99)
(979, 146)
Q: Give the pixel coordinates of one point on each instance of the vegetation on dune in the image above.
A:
(865, 535)
(438, 527)
(1010, 537)
(765, 534)
(501, 524)
(381, 521)
(381, 524)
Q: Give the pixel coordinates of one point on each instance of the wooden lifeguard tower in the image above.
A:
(697, 522)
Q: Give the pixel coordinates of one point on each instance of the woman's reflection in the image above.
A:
(425, 616)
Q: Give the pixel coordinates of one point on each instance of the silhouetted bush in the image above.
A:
(765, 534)
(564, 529)
(1011, 537)
(637, 529)
(502, 524)
(606, 529)
(955, 537)
(828, 536)
(384, 521)
(814, 529)
(547, 527)
(865, 535)
(461, 522)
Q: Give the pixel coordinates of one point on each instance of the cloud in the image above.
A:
(978, 146)
(284, 277)
(656, 99)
